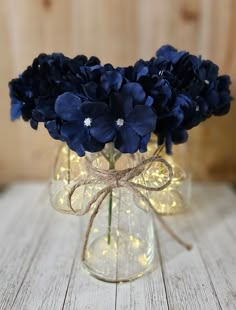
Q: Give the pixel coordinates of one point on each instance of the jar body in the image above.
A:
(119, 247)
(131, 249)
(177, 196)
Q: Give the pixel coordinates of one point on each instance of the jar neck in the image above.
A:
(111, 158)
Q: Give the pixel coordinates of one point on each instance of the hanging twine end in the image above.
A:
(189, 247)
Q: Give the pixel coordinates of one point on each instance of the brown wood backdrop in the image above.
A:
(118, 31)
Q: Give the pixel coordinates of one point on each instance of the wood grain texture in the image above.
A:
(145, 293)
(50, 271)
(186, 280)
(20, 237)
(119, 32)
(40, 265)
(216, 239)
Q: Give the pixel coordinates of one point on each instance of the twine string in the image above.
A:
(111, 179)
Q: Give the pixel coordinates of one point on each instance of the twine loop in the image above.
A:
(111, 179)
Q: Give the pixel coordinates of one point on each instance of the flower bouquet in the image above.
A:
(106, 117)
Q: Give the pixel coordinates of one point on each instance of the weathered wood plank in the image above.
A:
(230, 219)
(46, 282)
(215, 210)
(85, 292)
(186, 280)
(145, 293)
(212, 261)
(40, 265)
(19, 239)
(12, 202)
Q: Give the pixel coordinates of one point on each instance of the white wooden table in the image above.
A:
(40, 258)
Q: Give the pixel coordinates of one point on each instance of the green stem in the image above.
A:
(68, 166)
(109, 219)
(111, 166)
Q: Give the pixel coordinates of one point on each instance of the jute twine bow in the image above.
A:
(112, 179)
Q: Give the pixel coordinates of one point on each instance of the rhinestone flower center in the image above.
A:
(88, 122)
(120, 122)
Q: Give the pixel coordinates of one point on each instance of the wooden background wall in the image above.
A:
(118, 31)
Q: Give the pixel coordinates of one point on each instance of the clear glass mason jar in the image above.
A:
(119, 247)
(176, 197)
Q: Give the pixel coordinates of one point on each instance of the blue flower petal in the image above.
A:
(94, 109)
(16, 109)
(103, 129)
(121, 106)
(76, 146)
(161, 90)
(223, 82)
(170, 53)
(142, 119)
(142, 72)
(144, 142)
(79, 139)
(111, 80)
(171, 120)
(165, 50)
(92, 145)
(149, 101)
(45, 106)
(179, 136)
(140, 69)
(168, 144)
(73, 129)
(127, 141)
(213, 99)
(160, 138)
(53, 130)
(90, 90)
(34, 124)
(207, 71)
(135, 91)
(67, 106)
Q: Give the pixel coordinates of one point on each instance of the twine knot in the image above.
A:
(110, 179)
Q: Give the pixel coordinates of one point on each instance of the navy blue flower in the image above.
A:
(159, 89)
(111, 80)
(170, 123)
(54, 129)
(16, 108)
(184, 66)
(130, 121)
(170, 53)
(87, 104)
(207, 71)
(223, 82)
(134, 73)
(106, 82)
(78, 117)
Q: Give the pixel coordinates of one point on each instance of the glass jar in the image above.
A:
(119, 247)
(176, 197)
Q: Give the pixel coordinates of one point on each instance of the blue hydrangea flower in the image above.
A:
(87, 104)
(16, 108)
(170, 53)
(130, 122)
(101, 87)
(222, 84)
(170, 123)
(78, 117)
